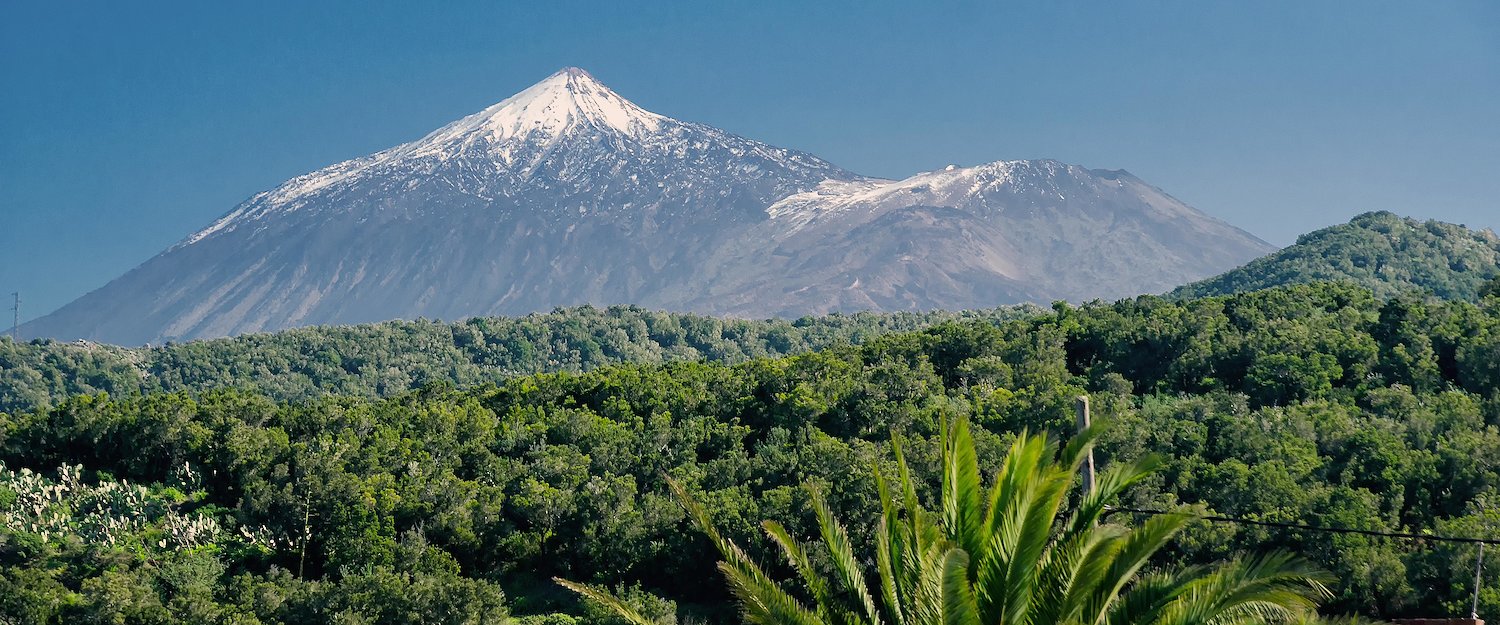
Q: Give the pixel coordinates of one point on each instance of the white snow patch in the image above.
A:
(222, 223)
(949, 186)
(564, 100)
(506, 143)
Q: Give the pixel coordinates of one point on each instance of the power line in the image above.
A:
(15, 327)
(1311, 528)
(1478, 561)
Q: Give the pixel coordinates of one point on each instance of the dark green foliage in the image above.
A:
(1031, 551)
(1379, 251)
(1317, 403)
(1491, 288)
(384, 359)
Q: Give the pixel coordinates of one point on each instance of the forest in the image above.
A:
(1381, 251)
(381, 359)
(329, 497)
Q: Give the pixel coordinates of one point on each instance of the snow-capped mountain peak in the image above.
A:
(571, 98)
(563, 147)
(567, 193)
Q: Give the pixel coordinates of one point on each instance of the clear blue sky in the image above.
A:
(125, 126)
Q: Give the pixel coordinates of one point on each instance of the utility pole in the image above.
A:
(1478, 572)
(1082, 406)
(15, 326)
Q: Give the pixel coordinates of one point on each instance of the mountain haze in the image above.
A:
(567, 194)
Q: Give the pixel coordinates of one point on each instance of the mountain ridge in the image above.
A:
(568, 194)
(1384, 252)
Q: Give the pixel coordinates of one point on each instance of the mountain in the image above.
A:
(1381, 251)
(966, 237)
(567, 193)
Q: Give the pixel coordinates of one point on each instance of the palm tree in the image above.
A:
(1010, 556)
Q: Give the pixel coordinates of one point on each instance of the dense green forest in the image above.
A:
(1381, 251)
(1312, 403)
(376, 360)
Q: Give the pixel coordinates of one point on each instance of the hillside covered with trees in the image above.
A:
(1313, 403)
(376, 360)
(1380, 251)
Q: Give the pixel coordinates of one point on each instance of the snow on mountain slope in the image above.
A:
(567, 193)
(1005, 231)
(563, 100)
(564, 137)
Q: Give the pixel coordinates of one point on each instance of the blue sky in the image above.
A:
(126, 126)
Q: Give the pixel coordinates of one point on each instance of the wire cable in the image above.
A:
(1310, 528)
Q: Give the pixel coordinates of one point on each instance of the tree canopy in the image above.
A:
(1020, 554)
(1380, 251)
(382, 359)
(1313, 403)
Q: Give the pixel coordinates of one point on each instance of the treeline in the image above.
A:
(1314, 404)
(376, 360)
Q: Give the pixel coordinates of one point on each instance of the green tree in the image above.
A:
(1491, 288)
(1013, 556)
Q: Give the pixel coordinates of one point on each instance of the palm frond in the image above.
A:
(1270, 588)
(962, 507)
(797, 557)
(1134, 550)
(609, 600)
(891, 543)
(1108, 486)
(1148, 596)
(1068, 563)
(1034, 540)
(959, 607)
(1103, 543)
(842, 556)
(1076, 451)
(1011, 556)
(760, 596)
(762, 602)
(928, 592)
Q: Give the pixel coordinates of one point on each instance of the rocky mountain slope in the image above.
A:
(567, 194)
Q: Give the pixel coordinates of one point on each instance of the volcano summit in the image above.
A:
(567, 193)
